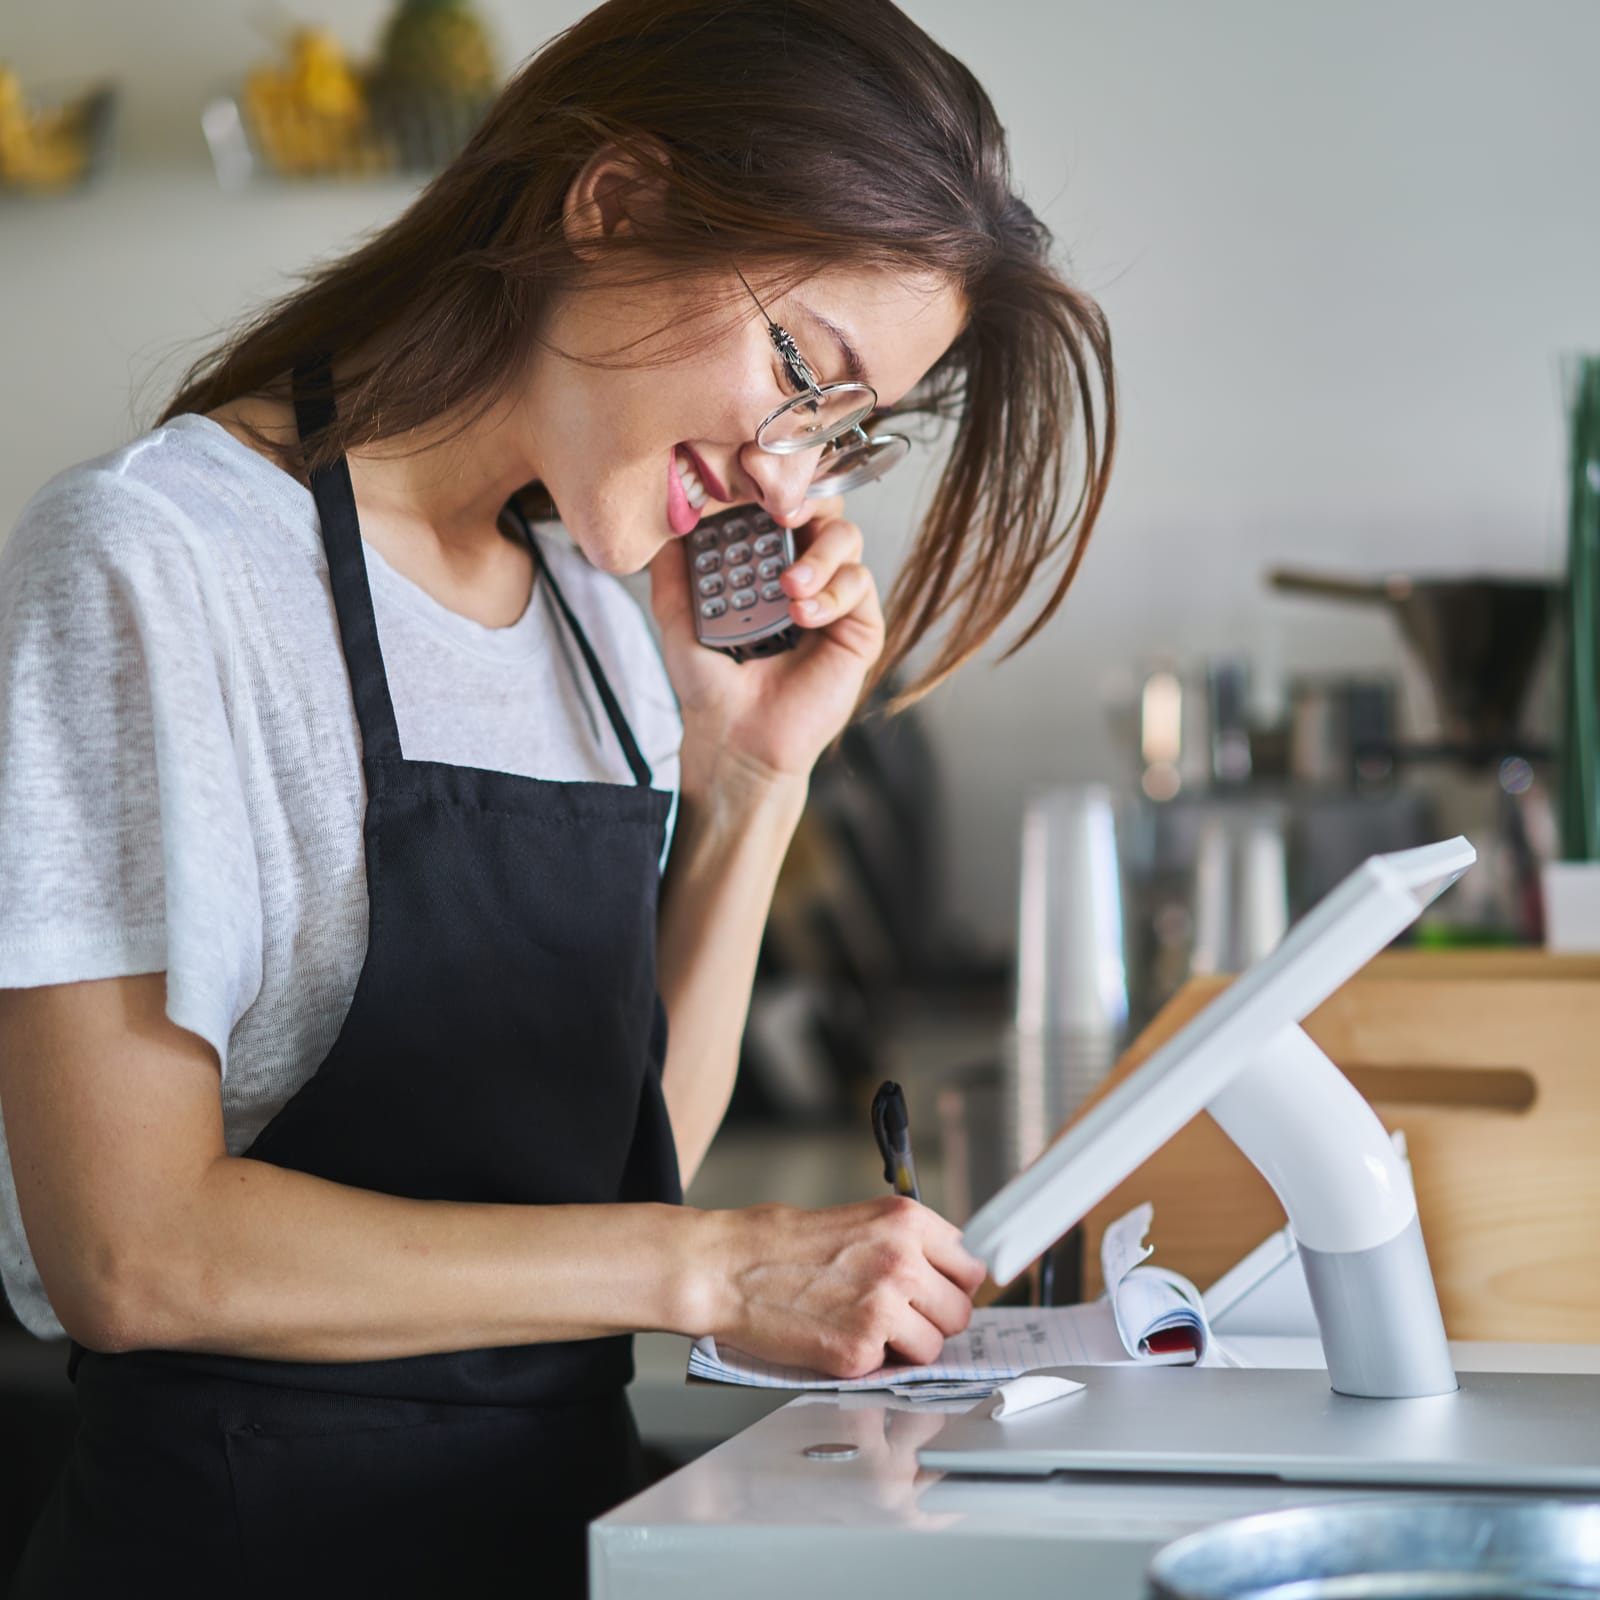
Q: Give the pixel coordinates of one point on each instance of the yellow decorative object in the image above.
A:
(39, 149)
(311, 116)
(322, 80)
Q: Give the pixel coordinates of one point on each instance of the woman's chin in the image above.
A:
(620, 554)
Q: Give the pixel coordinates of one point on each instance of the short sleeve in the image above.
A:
(125, 844)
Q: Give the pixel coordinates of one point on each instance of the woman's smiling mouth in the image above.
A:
(690, 483)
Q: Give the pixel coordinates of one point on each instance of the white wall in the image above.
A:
(1341, 247)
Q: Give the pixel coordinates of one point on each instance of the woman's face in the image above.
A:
(622, 444)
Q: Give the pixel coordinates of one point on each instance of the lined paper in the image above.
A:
(1001, 1342)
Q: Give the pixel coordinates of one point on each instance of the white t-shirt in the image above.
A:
(180, 775)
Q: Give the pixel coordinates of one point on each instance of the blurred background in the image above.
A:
(1348, 255)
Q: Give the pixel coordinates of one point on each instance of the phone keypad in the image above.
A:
(735, 563)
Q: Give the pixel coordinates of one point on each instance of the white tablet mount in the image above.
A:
(1247, 1061)
(1350, 1203)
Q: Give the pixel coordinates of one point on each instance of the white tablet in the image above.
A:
(1332, 942)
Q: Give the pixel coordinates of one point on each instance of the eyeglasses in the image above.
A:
(827, 416)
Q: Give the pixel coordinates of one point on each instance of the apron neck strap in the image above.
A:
(347, 567)
(637, 764)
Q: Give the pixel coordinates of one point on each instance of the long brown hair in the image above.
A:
(789, 134)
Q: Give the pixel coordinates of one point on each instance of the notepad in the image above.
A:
(1150, 1316)
(1160, 1315)
(1001, 1342)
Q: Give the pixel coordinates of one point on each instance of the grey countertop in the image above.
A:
(755, 1515)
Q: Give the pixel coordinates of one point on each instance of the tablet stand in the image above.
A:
(1350, 1203)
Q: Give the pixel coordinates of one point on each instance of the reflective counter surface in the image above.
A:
(757, 1517)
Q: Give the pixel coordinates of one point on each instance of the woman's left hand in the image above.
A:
(774, 717)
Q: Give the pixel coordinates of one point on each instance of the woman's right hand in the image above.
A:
(843, 1290)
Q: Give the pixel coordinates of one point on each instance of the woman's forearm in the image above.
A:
(279, 1264)
(147, 1234)
(731, 839)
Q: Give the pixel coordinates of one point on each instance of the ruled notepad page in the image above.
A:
(1001, 1342)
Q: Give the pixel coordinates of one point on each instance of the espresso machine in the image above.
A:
(1483, 644)
(1239, 821)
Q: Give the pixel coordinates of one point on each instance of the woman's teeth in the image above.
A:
(692, 486)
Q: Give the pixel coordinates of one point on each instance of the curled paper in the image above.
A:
(1030, 1390)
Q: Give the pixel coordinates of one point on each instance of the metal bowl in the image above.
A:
(1426, 1548)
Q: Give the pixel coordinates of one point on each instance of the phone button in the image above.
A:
(713, 608)
(711, 584)
(737, 553)
(769, 544)
(743, 599)
(742, 577)
(773, 591)
(770, 568)
(708, 561)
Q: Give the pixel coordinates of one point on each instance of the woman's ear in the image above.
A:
(612, 194)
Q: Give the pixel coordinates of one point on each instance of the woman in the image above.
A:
(345, 1125)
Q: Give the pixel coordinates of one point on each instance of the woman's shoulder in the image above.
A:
(176, 492)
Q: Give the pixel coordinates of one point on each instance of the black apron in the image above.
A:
(504, 1044)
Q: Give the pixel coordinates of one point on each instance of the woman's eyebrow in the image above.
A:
(852, 362)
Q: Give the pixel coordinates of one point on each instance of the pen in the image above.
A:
(892, 1129)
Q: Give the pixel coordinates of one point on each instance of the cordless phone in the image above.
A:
(735, 560)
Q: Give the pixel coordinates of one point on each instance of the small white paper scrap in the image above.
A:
(1034, 1389)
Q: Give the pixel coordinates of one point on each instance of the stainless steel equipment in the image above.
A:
(1478, 640)
(1403, 1548)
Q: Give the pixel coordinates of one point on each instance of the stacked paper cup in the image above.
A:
(1072, 985)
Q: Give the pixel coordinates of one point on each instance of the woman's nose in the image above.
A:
(780, 481)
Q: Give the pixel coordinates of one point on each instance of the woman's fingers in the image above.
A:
(942, 1304)
(837, 1289)
(946, 1251)
(915, 1339)
(824, 544)
(827, 583)
(846, 591)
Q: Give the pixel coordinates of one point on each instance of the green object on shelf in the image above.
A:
(1464, 936)
(1580, 753)
(438, 48)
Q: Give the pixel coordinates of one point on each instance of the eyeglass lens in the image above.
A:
(810, 420)
(854, 462)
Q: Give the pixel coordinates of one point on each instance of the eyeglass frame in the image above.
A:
(850, 436)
